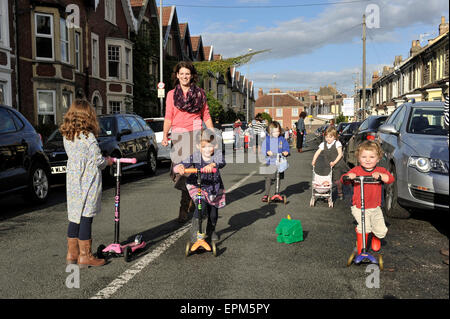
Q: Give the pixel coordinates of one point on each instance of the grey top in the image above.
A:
(301, 125)
(84, 177)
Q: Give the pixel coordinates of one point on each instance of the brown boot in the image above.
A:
(183, 215)
(86, 258)
(73, 251)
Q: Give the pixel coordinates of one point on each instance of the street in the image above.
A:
(250, 263)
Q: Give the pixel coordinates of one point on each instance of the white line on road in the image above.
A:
(136, 268)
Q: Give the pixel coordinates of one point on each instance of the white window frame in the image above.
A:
(127, 63)
(294, 111)
(64, 42)
(266, 111)
(119, 61)
(77, 48)
(53, 92)
(110, 107)
(51, 36)
(95, 55)
(70, 94)
(110, 11)
(278, 111)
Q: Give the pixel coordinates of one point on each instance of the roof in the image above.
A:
(279, 100)
(208, 50)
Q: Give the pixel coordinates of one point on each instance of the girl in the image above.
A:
(213, 190)
(84, 180)
(271, 146)
(333, 154)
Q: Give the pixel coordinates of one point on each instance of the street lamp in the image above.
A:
(273, 77)
(248, 70)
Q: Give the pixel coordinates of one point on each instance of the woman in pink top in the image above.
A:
(186, 108)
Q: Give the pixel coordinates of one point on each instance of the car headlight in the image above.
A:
(425, 165)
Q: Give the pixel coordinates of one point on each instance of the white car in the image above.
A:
(157, 125)
(227, 134)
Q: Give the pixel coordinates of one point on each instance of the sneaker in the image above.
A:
(265, 198)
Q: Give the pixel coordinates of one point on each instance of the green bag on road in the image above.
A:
(289, 231)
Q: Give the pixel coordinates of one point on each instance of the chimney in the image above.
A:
(260, 92)
(398, 60)
(415, 47)
(443, 27)
(375, 76)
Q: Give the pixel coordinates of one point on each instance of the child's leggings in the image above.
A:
(209, 210)
(82, 231)
(268, 183)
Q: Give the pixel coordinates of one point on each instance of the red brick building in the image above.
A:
(282, 107)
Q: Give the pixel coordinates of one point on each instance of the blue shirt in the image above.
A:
(275, 145)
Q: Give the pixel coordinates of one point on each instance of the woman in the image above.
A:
(301, 129)
(186, 107)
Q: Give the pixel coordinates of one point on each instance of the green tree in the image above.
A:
(266, 116)
(215, 107)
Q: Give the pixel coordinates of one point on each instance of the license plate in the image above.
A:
(58, 169)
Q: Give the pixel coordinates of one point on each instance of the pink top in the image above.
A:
(184, 121)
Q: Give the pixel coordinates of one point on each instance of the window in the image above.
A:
(95, 59)
(115, 107)
(233, 103)
(2, 93)
(113, 61)
(266, 111)
(44, 36)
(122, 124)
(66, 100)
(127, 63)
(220, 92)
(295, 112)
(6, 122)
(135, 127)
(429, 121)
(46, 107)
(78, 51)
(279, 113)
(145, 125)
(110, 11)
(64, 35)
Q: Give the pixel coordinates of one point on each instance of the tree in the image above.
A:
(266, 116)
(215, 107)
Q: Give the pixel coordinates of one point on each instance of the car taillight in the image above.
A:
(370, 137)
(40, 136)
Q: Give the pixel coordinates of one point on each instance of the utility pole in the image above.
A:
(161, 53)
(363, 102)
(248, 87)
(335, 108)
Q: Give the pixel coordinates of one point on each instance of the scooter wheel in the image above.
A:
(100, 253)
(127, 254)
(214, 248)
(350, 259)
(188, 249)
(380, 262)
(312, 202)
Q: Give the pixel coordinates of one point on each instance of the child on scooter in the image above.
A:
(84, 180)
(369, 154)
(275, 143)
(213, 191)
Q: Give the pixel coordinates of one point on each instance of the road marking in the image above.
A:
(136, 268)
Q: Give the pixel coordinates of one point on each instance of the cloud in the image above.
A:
(336, 24)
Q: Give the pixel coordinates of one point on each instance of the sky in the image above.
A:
(312, 43)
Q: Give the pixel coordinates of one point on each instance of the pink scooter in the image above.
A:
(116, 249)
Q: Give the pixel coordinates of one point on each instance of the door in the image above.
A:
(140, 139)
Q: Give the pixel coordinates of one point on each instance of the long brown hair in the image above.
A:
(188, 65)
(80, 118)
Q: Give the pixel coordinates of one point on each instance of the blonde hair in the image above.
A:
(369, 146)
(331, 130)
(80, 118)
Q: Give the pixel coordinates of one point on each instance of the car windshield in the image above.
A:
(106, 126)
(156, 126)
(55, 136)
(379, 121)
(429, 121)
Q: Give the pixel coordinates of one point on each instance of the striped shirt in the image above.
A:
(258, 127)
(446, 113)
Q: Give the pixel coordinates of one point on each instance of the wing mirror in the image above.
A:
(123, 132)
(388, 129)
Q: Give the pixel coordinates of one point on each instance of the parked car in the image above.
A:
(23, 162)
(227, 135)
(341, 126)
(157, 125)
(366, 131)
(348, 132)
(416, 153)
(121, 135)
(321, 131)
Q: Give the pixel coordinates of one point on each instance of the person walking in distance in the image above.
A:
(301, 130)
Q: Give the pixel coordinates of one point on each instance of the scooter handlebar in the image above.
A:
(367, 179)
(195, 170)
(124, 160)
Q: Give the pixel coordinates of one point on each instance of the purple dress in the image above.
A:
(213, 190)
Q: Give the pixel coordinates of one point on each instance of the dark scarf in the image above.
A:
(193, 102)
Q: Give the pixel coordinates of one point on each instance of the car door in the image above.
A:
(355, 140)
(390, 142)
(141, 141)
(13, 149)
(126, 142)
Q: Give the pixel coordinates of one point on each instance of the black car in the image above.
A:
(23, 163)
(348, 132)
(366, 131)
(121, 135)
(341, 126)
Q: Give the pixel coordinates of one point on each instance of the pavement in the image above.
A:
(250, 263)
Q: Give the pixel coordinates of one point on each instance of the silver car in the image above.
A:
(416, 153)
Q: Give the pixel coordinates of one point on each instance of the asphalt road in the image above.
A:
(250, 262)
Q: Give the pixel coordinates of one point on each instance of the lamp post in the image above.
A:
(248, 70)
(161, 53)
(273, 77)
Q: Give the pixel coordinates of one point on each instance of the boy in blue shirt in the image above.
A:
(275, 143)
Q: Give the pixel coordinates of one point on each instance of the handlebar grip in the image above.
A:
(195, 170)
(367, 179)
(124, 160)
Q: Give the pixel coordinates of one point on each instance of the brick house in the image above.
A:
(171, 33)
(7, 54)
(282, 107)
(186, 44)
(60, 61)
(197, 48)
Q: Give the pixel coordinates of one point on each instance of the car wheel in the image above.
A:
(150, 168)
(38, 183)
(392, 207)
